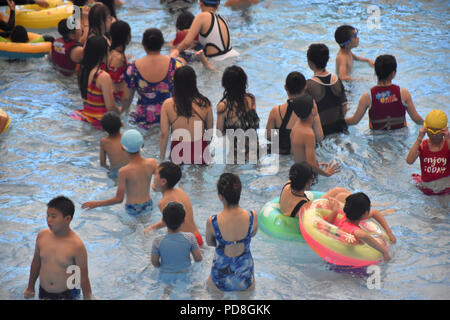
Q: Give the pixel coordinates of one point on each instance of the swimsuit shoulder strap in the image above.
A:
(297, 207)
(287, 115)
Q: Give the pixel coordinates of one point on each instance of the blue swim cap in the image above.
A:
(211, 1)
(132, 141)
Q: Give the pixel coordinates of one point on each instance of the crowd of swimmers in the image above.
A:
(168, 97)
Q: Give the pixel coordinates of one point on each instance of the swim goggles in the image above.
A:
(437, 131)
(354, 35)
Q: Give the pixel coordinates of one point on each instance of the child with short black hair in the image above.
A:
(357, 208)
(110, 146)
(387, 103)
(166, 177)
(347, 38)
(57, 249)
(171, 252)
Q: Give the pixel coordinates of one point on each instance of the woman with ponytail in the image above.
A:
(230, 232)
(95, 84)
(152, 78)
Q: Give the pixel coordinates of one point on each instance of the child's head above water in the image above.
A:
(173, 215)
(120, 34)
(301, 174)
(64, 31)
(132, 141)
(319, 55)
(384, 66)
(229, 187)
(295, 83)
(184, 20)
(303, 106)
(64, 205)
(171, 172)
(435, 121)
(111, 123)
(345, 34)
(356, 206)
(19, 34)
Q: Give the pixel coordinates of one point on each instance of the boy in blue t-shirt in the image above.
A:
(171, 252)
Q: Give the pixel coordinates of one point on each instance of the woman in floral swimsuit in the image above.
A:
(152, 77)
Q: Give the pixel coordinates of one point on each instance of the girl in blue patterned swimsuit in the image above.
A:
(232, 268)
(151, 94)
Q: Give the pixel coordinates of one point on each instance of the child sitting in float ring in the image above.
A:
(356, 209)
(434, 157)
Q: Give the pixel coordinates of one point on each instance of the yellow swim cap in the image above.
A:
(436, 119)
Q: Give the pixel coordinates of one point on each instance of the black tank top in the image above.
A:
(283, 133)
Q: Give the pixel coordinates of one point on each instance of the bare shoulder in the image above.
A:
(221, 107)
(151, 163)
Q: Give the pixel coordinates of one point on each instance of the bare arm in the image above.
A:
(373, 243)
(317, 125)
(34, 271)
(120, 194)
(382, 221)
(363, 104)
(220, 117)
(370, 62)
(414, 152)
(342, 68)
(103, 155)
(82, 262)
(106, 85)
(197, 255)
(76, 54)
(209, 235)
(407, 99)
(310, 153)
(165, 125)
(194, 30)
(271, 122)
(155, 260)
(255, 223)
(158, 225)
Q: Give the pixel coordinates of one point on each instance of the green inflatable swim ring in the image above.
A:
(275, 224)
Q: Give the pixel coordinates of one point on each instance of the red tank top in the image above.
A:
(387, 111)
(61, 56)
(434, 165)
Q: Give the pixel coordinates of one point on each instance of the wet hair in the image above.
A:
(111, 123)
(173, 215)
(63, 205)
(356, 205)
(343, 34)
(97, 19)
(120, 34)
(295, 82)
(111, 6)
(152, 39)
(318, 54)
(384, 66)
(211, 3)
(64, 31)
(303, 105)
(94, 53)
(79, 3)
(234, 81)
(171, 172)
(300, 174)
(184, 20)
(19, 34)
(185, 92)
(229, 186)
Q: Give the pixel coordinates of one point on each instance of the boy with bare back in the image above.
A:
(110, 146)
(134, 178)
(303, 140)
(58, 253)
(347, 38)
(166, 177)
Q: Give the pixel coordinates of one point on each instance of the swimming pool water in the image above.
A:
(45, 154)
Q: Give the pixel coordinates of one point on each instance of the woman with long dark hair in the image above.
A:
(237, 109)
(152, 77)
(190, 113)
(95, 84)
(99, 23)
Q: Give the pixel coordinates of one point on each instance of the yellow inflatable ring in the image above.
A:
(333, 244)
(36, 47)
(4, 125)
(35, 17)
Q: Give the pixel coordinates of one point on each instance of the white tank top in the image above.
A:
(213, 37)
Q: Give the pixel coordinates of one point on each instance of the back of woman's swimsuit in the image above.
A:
(232, 273)
(285, 134)
(299, 204)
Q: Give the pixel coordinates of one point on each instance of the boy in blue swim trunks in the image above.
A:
(111, 147)
(58, 249)
(171, 252)
(134, 178)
